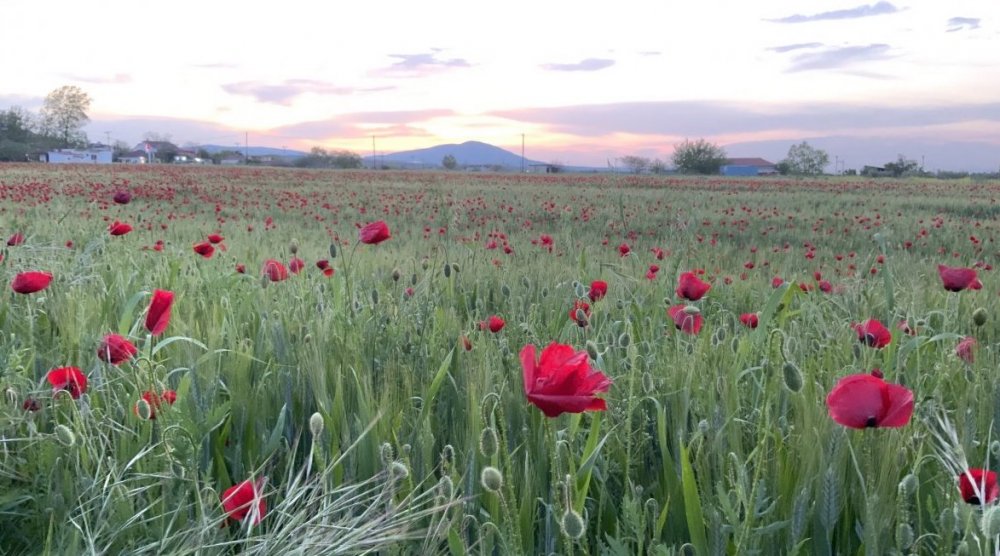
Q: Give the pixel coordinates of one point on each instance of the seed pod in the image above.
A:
(979, 316)
(316, 424)
(793, 377)
(488, 442)
(572, 525)
(65, 436)
(491, 478)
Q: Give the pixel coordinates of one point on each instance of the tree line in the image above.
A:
(59, 124)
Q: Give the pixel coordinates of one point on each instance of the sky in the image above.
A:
(585, 82)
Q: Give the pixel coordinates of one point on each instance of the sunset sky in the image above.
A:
(586, 82)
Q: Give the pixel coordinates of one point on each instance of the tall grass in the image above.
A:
(718, 443)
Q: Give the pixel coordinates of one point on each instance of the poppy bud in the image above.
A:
(572, 525)
(647, 383)
(691, 310)
(488, 443)
(264, 280)
(466, 343)
(525, 282)
(908, 486)
(447, 270)
(399, 471)
(413, 279)
(447, 456)
(904, 535)
(624, 339)
(386, 453)
(581, 317)
(424, 263)
(505, 290)
(396, 274)
(491, 478)
(374, 296)
(446, 488)
(333, 250)
(65, 436)
(545, 292)
(143, 409)
(592, 350)
(793, 377)
(979, 316)
(580, 290)
(293, 247)
(995, 448)
(455, 268)
(703, 426)
(316, 424)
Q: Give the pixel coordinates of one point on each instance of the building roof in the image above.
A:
(756, 162)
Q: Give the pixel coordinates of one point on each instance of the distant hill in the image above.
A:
(470, 153)
(253, 151)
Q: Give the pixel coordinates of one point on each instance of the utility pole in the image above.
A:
(522, 153)
(246, 147)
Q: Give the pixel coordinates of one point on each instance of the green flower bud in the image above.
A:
(979, 316)
(399, 470)
(491, 478)
(488, 442)
(333, 250)
(572, 525)
(65, 436)
(316, 424)
(592, 350)
(793, 377)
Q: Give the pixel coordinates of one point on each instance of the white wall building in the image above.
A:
(100, 155)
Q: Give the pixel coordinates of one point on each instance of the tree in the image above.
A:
(658, 166)
(64, 114)
(449, 162)
(901, 166)
(699, 157)
(636, 164)
(345, 159)
(804, 160)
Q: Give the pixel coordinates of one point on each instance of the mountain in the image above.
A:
(253, 151)
(470, 153)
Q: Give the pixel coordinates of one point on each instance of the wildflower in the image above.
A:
(863, 401)
(31, 281)
(562, 380)
(158, 316)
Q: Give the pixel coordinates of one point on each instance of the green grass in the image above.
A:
(705, 448)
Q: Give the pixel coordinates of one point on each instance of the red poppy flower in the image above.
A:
(169, 396)
(238, 501)
(374, 233)
(906, 328)
(296, 265)
(122, 197)
(825, 286)
(873, 334)
(328, 271)
(685, 322)
(274, 270)
(863, 400)
(158, 316)
(956, 279)
(215, 238)
(15, 240)
(964, 349)
(690, 287)
(976, 484)
(494, 324)
(115, 349)
(204, 249)
(322, 264)
(624, 249)
(562, 380)
(750, 320)
(598, 289)
(119, 228)
(658, 253)
(31, 281)
(241, 268)
(776, 282)
(70, 379)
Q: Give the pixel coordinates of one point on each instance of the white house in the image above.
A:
(134, 157)
(97, 155)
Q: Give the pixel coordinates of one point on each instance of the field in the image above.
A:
(379, 406)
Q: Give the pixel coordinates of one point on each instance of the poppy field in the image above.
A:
(262, 361)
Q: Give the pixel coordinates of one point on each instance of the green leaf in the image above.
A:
(692, 505)
(276, 433)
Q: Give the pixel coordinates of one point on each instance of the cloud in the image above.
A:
(131, 129)
(361, 124)
(650, 53)
(589, 64)
(798, 46)
(424, 63)
(960, 23)
(284, 92)
(704, 118)
(867, 10)
(839, 57)
(116, 79)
